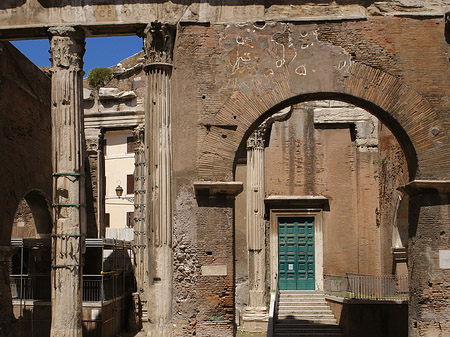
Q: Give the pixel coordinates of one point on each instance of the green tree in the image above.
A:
(98, 77)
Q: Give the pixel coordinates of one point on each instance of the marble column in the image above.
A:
(158, 47)
(67, 49)
(255, 219)
(140, 224)
(255, 315)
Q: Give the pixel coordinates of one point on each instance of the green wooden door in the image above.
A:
(296, 269)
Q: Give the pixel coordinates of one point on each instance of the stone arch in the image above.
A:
(272, 80)
(40, 210)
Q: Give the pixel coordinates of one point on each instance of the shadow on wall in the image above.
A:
(8, 4)
(374, 320)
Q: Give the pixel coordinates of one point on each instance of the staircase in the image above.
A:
(304, 313)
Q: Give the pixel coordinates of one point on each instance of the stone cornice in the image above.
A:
(218, 187)
(416, 187)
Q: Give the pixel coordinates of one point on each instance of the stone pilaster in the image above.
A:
(429, 258)
(140, 224)
(158, 47)
(67, 49)
(94, 183)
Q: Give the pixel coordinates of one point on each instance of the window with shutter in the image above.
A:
(130, 183)
(130, 144)
(130, 219)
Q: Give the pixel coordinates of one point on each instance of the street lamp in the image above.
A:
(119, 192)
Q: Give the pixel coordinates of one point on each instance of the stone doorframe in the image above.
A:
(315, 213)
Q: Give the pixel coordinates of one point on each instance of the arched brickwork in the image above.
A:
(25, 145)
(316, 71)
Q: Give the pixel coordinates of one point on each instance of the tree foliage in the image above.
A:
(98, 77)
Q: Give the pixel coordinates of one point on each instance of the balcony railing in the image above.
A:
(368, 287)
(26, 287)
(95, 287)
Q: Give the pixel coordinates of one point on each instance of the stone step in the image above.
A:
(330, 321)
(312, 295)
(301, 292)
(304, 307)
(306, 325)
(301, 302)
(306, 312)
(309, 328)
(309, 334)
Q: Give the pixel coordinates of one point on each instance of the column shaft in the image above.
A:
(158, 46)
(140, 227)
(255, 221)
(67, 49)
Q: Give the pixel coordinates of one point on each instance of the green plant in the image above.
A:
(98, 77)
(381, 162)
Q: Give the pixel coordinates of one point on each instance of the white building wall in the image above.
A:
(118, 164)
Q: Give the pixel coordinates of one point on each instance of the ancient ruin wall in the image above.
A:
(25, 151)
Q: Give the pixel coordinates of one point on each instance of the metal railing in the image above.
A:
(272, 308)
(30, 287)
(95, 287)
(368, 287)
(105, 287)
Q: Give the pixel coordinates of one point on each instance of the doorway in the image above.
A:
(296, 253)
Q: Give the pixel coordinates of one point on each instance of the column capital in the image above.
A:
(139, 135)
(159, 39)
(67, 47)
(257, 139)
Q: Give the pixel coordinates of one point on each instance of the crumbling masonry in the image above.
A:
(220, 79)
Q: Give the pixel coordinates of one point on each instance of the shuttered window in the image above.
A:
(130, 184)
(130, 219)
(130, 144)
(107, 220)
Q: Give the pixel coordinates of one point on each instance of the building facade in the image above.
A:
(239, 103)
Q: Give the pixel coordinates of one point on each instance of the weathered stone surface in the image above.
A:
(69, 198)
(158, 46)
(25, 145)
(31, 15)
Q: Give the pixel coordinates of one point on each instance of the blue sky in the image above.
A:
(100, 51)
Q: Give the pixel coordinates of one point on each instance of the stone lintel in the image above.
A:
(232, 188)
(286, 201)
(416, 187)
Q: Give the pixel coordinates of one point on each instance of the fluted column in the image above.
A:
(255, 315)
(67, 49)
(140, 227)
(255, 220)
(158, 46)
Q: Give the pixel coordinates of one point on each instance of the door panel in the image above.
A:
(296, 253)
